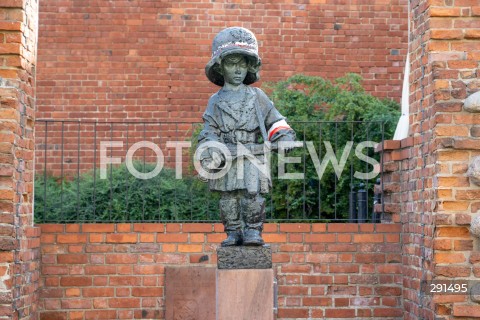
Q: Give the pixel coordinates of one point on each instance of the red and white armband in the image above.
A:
(277, 127)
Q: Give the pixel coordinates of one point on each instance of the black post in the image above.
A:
(362, 203)
(377, 199)
(352, 210)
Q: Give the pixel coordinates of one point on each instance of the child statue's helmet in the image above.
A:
(229, 41)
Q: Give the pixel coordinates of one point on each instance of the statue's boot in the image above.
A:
(253, 210)
(253, 237)
(230, 215)
(234, 238)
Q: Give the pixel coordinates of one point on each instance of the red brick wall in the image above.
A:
(455, 55)
(416, 173)
(19, 240)
(116, 271)
(425, 185)
(145, 59)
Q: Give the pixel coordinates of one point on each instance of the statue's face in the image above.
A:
(234, 69)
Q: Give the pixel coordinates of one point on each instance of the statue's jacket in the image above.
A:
(244, 121)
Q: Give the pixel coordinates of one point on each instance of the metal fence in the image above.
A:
(82, 174)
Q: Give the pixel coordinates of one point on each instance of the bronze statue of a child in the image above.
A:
(239, 114)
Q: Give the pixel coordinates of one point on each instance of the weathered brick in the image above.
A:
(446, 34)
(173, 227)
(215, 238)
(123, 227)
(274, 238)
(100, 269)
(147, 292)
(295, 227)
(149, 269)
(124, 280)
(148, 227)
(122, 238)
(319, 227)
(72, 258)
(444, 12)
(293, 313)
(463, 219)
(197, 227)
(52, 228)
(342, 227)
(98, 292)
(170, 237)
(466, 310)
(368, 238)
(317, 279)
(472, 34)
(453, 271)
(71, 238)
(7, 194)
(76, 281)
(317, 301)
(370, 258)
(452, 155)
(199, 258)
(348, 268)
(74, 228)
(388, 145)
(442, 244)
(53, 315)
(339, 313)
(322, 238)
(453, 232)
(455, 205)
(124, 303)
(103, 228)
(462, 64)
(101, 314)
(449, 257)
(118, 258)
(461, 131)
(387, 312)
(190, 248)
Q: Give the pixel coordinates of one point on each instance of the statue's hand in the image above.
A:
(215, 162)
(202, 178)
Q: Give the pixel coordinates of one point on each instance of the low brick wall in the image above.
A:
(117, 271)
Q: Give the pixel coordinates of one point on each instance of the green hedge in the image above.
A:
(123, 197)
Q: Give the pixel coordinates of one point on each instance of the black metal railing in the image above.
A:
(82, 174)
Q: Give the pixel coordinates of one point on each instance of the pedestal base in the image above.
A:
(244, 257)
(207, 293)
(245, 294)
(190, 293)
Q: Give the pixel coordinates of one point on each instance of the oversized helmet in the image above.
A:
(229, 41)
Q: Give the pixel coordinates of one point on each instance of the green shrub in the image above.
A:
(123, 197)
(341, 111)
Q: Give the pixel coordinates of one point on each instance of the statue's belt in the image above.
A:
(250, 149)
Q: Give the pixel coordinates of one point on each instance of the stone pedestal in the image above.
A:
(245, 294)
(240, 289)
(190, 293)
(244, 257)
